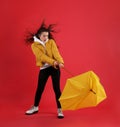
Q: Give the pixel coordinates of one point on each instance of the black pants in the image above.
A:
(42, 79)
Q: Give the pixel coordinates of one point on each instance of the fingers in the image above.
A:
(61, 65)
(57, 65)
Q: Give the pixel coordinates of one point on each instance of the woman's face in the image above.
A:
(44, 36)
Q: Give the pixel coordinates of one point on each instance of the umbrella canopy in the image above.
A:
(84, 90)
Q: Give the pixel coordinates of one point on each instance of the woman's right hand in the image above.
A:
(56, 64)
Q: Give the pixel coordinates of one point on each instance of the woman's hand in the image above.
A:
(61, 65)
(56, 64)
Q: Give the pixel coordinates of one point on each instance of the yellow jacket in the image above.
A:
(46, 54)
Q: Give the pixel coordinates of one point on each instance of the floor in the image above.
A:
(14, 116)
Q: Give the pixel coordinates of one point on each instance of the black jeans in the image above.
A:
(42, 79)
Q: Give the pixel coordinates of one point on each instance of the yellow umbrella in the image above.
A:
(82, 91)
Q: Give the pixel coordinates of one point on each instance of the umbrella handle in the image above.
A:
(68, 71)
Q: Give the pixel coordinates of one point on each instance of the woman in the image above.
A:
(50, 61)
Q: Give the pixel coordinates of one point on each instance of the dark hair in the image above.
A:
(43, 28)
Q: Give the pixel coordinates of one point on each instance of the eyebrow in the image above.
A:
(45, 35)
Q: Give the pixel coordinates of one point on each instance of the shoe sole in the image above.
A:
(60, 117)
(31, 113)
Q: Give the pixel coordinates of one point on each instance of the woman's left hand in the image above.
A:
(61, 65)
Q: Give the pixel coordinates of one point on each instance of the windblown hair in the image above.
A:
(43, 28)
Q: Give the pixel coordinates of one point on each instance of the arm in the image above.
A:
(56, 53)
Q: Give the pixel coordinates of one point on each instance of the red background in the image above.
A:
(88, 39)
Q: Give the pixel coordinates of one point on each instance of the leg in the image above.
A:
(55, 74)
(42, 79)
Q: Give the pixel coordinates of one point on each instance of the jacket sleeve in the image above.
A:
(41, 56)
(56, 53)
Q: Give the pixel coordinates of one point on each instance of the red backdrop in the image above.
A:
(88, 39)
